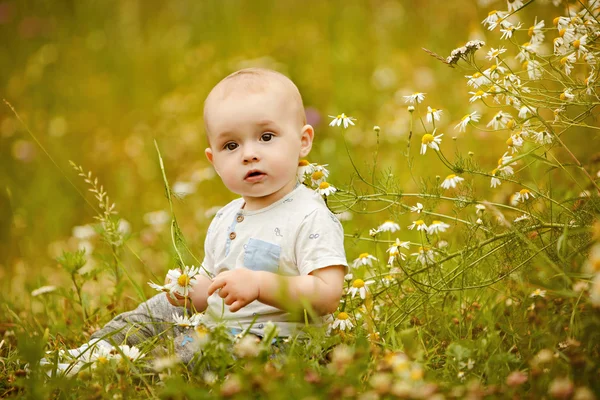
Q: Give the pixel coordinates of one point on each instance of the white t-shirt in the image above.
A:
(293, 236)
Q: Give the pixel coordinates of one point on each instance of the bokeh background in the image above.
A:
(98, 82)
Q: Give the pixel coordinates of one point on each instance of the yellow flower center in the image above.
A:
(530, 31)
(363, 255)
(492, 12)
(477, 75)
(102, 360)
(511, 123)
(577, 43)
(564, 60)
(563, 96)
(437, 222)
(202, 331)
(427, 138)
(416, 374)
(342, 316)
(525, 64)
(423, 249)
(183, 280)
(451, 176)
(419, 222)
(509, 141)
(303, 163)
(524, 191)
(493, 67)
(494, 172)
(433, 110)
(323, 185)
(339, 116)
(555, 21)
(358, 283)
(479, 93)
(317, 175)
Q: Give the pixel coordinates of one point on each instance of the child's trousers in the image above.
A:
(151, 319)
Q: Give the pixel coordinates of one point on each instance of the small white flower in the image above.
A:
(567, 95)
(495, 53)
(479, 221)
(43, 290)
(462, 125)
(538, 293)
(319, 174)
(305, 168)
(131, 352)
(534, 69)
(495, 180)
(499, 120)
(514, 5)
(418, 208)
(477, 79)
(162, 363)
(451, 181)
(524, 111)
(389, 226)
(341, 119)
(187, 322)
(522, 218)
(430, 140)
(433, 114)
(364, 259)
(437, 227)
(480, 94)
(179, 282)
(543, 137)
(508, 29)
(515, 142)
(414, 98)
(479, 209)
(348, 277)
(419, 224)
(325, 189)
(342, 322)
(373, 232)
(494, 18)
(424, 255)
(360, 287)
(567, 62)
(523, 195)
(536, 32)
(247, 347)
(394, 251)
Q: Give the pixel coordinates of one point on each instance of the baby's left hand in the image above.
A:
(239, 287)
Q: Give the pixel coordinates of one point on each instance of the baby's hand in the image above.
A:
(239, 287)
(175, 298)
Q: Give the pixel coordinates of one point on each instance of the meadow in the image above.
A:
(457, 142)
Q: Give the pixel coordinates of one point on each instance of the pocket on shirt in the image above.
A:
(262, 256)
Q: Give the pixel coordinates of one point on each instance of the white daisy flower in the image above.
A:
(515, 142)
(495, 181)
(514, 5)
(542, 137)
(341, 119)
(479, 221)
(567, 95)
(480, 94)
(567, 62)
(451, 181)
(364, 259)
(499, 120)
(373, 232)
(505, 165)
(130, 352)
(523, 195)
(495, 53)
(433, 114)
(479, 209)
(180, 282)
(394, 250)
(525, 111)
(424, 255)
(536, 32)
(534, 69)
(462, 125)
(325, 189)
(305, 168)
(419, 224)
(414, 98)
(320, 174)
(187, 322)
(437, 227)
(579, 45)
(360, 287)
(477, 79)
(342, 322)
(430, 140)
(100, 355)
(507, 29)
(538, 293)
(418, 208)
(494, 18)
(389, 226)
(348, 277)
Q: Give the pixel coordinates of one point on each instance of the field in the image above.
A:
(463, 142)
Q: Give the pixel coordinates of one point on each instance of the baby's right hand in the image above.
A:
(179, 300)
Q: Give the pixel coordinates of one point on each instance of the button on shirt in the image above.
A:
(293, 236)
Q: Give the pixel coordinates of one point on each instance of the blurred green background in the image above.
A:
(98, 81)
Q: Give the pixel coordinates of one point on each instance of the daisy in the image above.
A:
(536, 32)
(341, 119)
(494, 18)
(394, 250)
(325, 189)
(359, 286)
(305, 168)
(424, 255)
(538, 293)
(494, 71)
(480, 94)
(514, 5)
(500, 120)
(364, 259)
(419, 224)
(534, 69)
(479, 209)
(477, 79)
(523, 195)
(187, 322)
(429, 140)
(515, 142)
(342, 322)
(319, 175)
(567, 62)
(101, 355)
(182, 282)
(495, 53)
(389, 226)
(543, 137)
(414, 98)
(451, 181)
(524, 111)
(433, 114)
(462, 125)
(130, 352)
(505, 164)
(418, 208)
(567, 95)
(579, 45)
(508, 29)
(437, 227)
(495, 181)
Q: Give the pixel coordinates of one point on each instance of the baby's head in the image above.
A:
(256, 129)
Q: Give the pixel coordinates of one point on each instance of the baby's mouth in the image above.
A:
(254, 174)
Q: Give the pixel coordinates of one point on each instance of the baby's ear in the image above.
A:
(209, 155)
(306, 139)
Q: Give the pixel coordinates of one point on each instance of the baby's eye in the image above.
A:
(231, 146)
(266, 137)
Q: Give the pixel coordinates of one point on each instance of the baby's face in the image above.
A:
(256, 140)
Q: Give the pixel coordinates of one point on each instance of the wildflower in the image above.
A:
(543, 137)
(187, 322)
(567, 62)
(373, 232)
(359, 286)
(521, 218)
(534, 69)
(305, 168)
(424, 255)
(479, 221)
(515, 142)
(461, 375)
(536, 32)
(477, 79)
(247, 347)
(493, 72)
(538, 293)
(524, 111)
(451, 181)
(389, 226)
(495, 53)
(437, 227)
(341, 119)
(342, 322)
(418, 208)
(202, 334)
(394, 250)
(567, 95)
(480, 94)
(507, 29)
(43, 290)
(479, 209)
(500, 120)
(523, 195)
(414, 98)
(101, 355)
(466, 119)
(514, 5)
(419, 224)
(132, 353)
(162, 363)
(429, 140)
(364, 259)
(495, 181)
(579, 45)
(319, 175)
(179, 282)
(494, 18)
(325, 189)
(433, 114)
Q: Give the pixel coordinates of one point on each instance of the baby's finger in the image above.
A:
(229, 300)
(237, 305)
(216, 284)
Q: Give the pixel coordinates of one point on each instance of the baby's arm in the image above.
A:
(321, 289)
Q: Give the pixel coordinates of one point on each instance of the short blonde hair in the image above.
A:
(255, 80)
